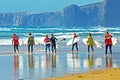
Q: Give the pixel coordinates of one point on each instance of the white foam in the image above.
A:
(5, 29)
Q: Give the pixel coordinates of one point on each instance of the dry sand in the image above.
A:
(106, 74)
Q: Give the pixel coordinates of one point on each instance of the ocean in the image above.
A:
(60, 32)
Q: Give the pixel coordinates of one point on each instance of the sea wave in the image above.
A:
(5, 29)
(60, 32)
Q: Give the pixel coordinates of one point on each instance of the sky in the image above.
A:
(40, 5)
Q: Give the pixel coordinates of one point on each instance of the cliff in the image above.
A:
(88, 15)
(105, 13)
(111, 13)
(30, 19)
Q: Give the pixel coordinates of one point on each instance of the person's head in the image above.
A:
(107, 32)
(89, 34)
(74, 33)
(30, 34)
(14, 34)
(46, 36)
(52, 35)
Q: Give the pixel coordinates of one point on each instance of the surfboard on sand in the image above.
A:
(97, 44)
(71, 41)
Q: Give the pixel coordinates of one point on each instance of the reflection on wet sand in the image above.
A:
(73, 60)
(21, 67)
(47, 60)
(54, 61)
(90, 61)
(38, 66)
(108, 62)
(30, 61)
(30, 66)
(50, 61)
(16, 66)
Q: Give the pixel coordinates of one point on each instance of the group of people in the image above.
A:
(51, 42)
(15, 42)
(91, 44)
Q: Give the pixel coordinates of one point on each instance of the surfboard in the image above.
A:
(36, 40)
(114, 41)
(97, 44)
(71, 41)
(40, 41)
(84, 40)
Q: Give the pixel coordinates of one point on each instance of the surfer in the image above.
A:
(31, 42)
(75, 44)
(15, 42)
(108, 43)
(90, 43)
(53, 43)
(47, 42)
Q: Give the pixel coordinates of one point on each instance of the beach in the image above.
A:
(41, 65)
(62, 65)
(104, 74)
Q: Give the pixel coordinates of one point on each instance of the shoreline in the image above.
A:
(61, 66)
(107, 74)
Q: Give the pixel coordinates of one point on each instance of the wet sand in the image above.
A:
(106, 74)
(39, 65)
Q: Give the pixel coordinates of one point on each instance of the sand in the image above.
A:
(106, 74)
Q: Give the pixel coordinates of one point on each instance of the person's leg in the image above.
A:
(32, 48)
(73, 46)
(76, 46)
(49, 47)
(55, 47)
(110, 48)
(52, 47)
(14, 48)
(46, 48)
(88, 48)
(28, 48)
(106, 47)
(17, 48)
(92, 48)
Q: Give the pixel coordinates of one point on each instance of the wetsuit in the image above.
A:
(108, 43)
(15, 43)
(30, 43)
(53, 43)
(47, 42)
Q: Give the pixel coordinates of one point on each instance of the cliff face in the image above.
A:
(28, 19)
(82, 16)
(70, 16)
(106, 13)
(112, 12)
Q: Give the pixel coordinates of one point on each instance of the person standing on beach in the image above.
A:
(90, 43)
(75, 44)
(31, 42)
(15, 42)
(108, 43)
(53, 43)
(47, 42)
